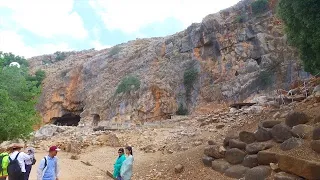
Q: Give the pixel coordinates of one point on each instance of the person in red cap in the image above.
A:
(48, 168)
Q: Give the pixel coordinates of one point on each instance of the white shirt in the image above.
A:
(21, 158)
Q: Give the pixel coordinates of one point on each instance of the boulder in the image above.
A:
(316, 133)
(301, 167)
(316, 90)
(220, 165)
(258, 173)
(266, 157)
(280, 133)
(315, 145)
(207, 161)
(254, 148)
(235, 156)
(286, 176)
(234, 143)
(46, 131)
(262, 134)
(213, 151)
(228, 137)
(178, 168)
(302, 131)
(291, 143)
(296, 118)
(270, 124)
(250, 161)
(247, 137)
(236, 171)
(109, 140)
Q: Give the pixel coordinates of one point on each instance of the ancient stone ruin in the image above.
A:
(278, 149)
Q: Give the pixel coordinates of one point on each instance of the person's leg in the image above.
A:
(27, 173)
(3, 178)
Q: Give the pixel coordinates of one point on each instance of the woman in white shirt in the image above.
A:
(126, 168)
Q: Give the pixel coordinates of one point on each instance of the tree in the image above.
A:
(302, 25)
(18, 97)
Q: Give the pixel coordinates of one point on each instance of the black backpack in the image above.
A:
(14, 167)
(1, 158)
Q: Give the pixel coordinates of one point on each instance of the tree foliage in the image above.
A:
(302, 25)
(189, 78)
(127, 84)
(18, 96)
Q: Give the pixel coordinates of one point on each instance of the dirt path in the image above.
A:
(147, 166)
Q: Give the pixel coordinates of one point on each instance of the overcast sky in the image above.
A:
(34, 27)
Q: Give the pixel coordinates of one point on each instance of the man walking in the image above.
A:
(48, 168)
(16, 167)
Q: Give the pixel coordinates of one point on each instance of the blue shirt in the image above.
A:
(50, 172)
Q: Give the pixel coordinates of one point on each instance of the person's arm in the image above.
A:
(40, 169)
(57, 169)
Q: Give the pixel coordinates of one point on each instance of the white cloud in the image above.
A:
(46, 18)
(13, 42)
(129, 16)
(98, 46)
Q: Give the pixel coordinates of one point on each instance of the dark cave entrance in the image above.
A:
(69, 119)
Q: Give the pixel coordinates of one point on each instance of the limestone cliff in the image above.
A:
(235, 53)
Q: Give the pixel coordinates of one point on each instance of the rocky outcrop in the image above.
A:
(233, 58)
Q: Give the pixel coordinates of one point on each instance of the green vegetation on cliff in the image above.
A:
(302, 25)
(18, 96)
(128, 83)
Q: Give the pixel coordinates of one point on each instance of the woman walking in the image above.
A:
(118, 164)
(126, 168)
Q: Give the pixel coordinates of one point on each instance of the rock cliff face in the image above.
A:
(236, 54)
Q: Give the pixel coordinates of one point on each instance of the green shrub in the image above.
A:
(265, 79)
(181, 110)
(38, 77)
(115, 50)
(189, 78)
(127, 84)
(60, 56)
(259, 6)
(241, 18)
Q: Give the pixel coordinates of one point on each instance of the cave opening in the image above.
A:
(69, 119)
(96, 119)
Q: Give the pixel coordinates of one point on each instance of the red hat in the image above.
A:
(54, 148)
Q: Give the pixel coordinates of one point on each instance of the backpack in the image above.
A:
(14, 166)
(33, 161)
(2, 156)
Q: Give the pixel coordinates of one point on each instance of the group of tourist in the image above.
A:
(16, 164)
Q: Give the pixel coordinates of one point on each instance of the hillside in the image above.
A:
(233, 54)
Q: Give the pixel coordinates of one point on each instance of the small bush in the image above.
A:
(241, 18)
(259, 6)
(60, 56)
(189, 78)
(115, 50)
(181, 110)
(127, 84)
(265, 79)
